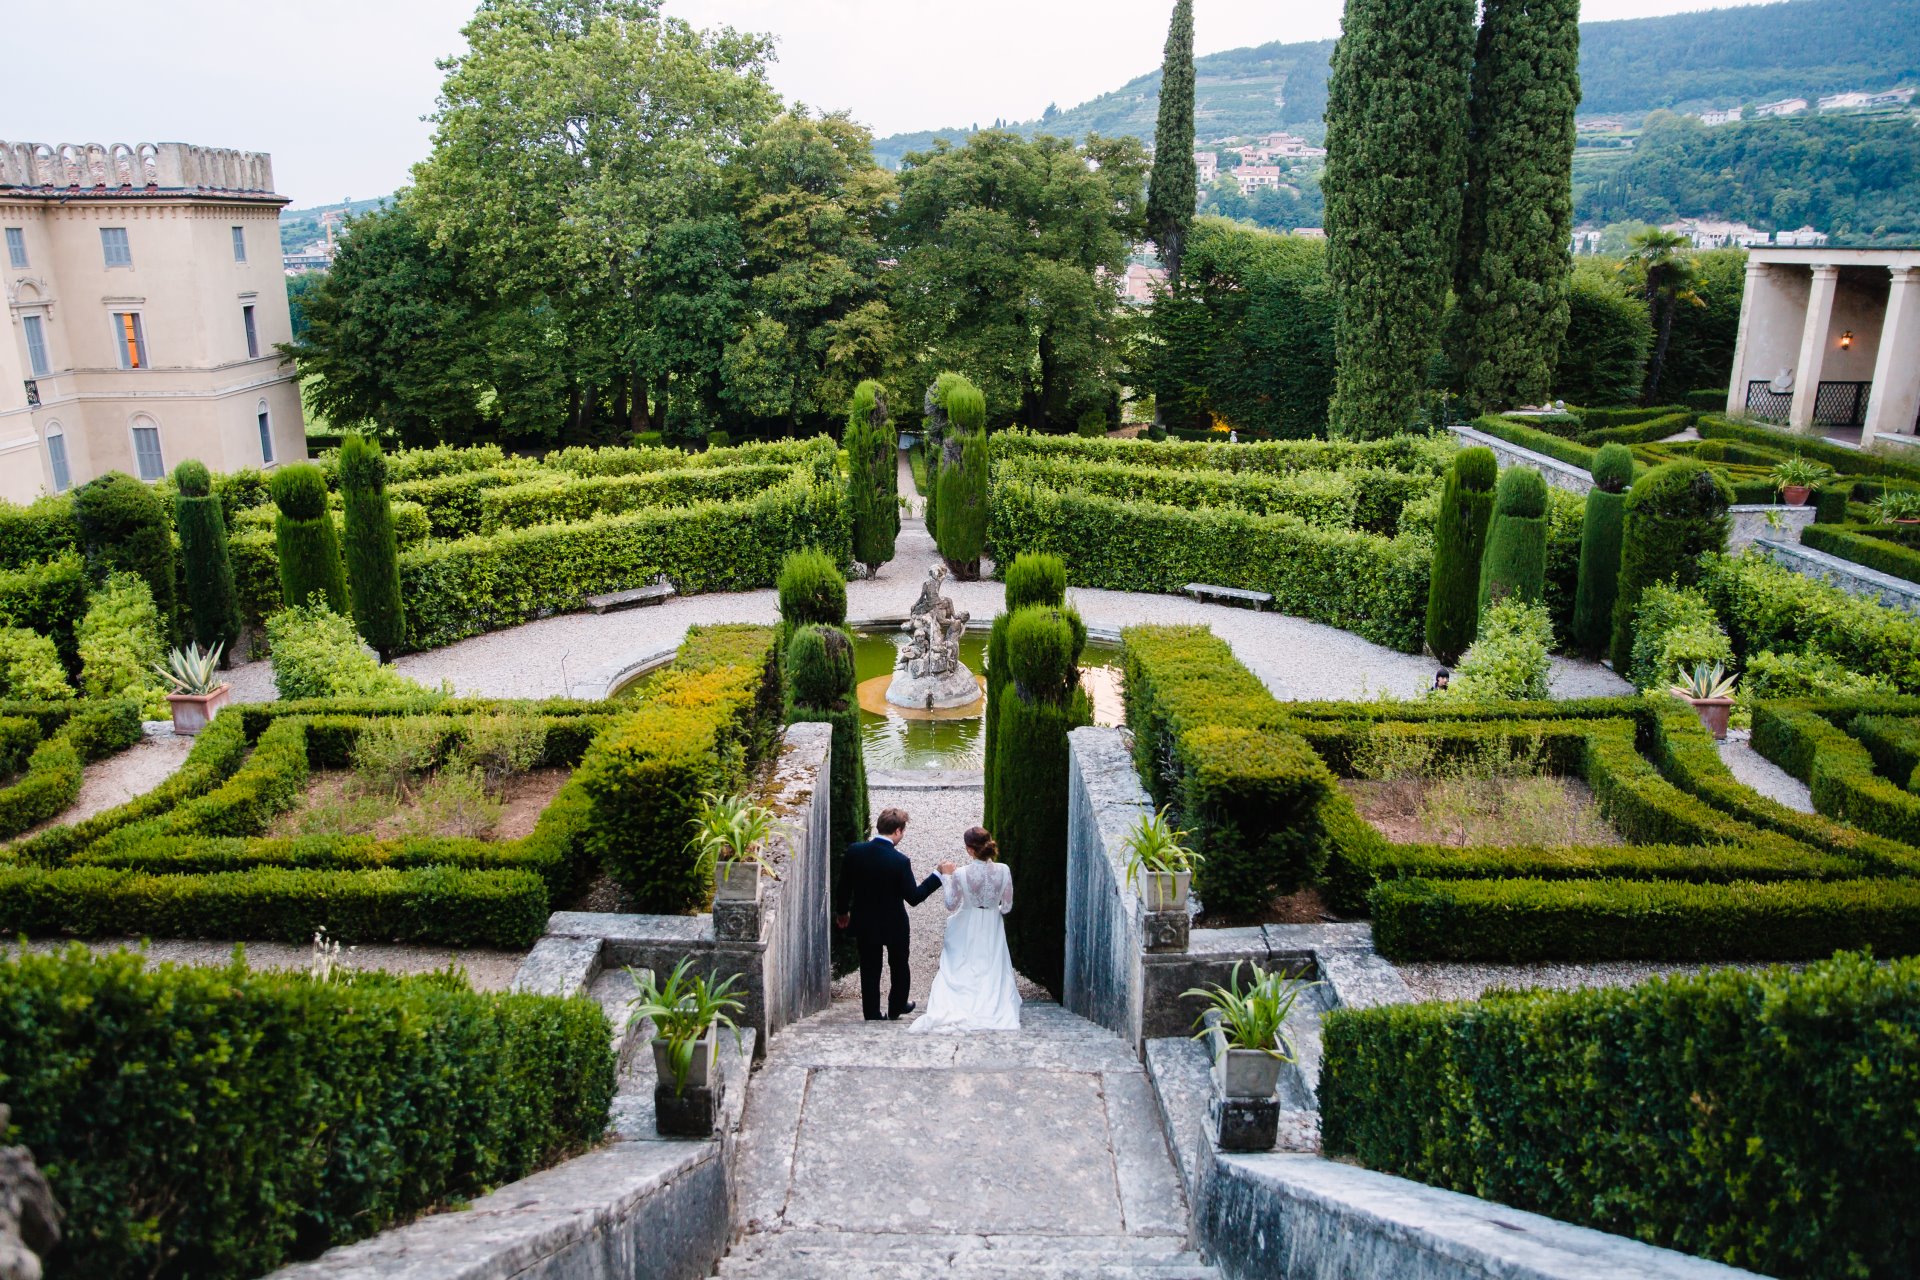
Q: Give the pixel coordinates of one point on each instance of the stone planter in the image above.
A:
(736, 881)
(702, 1074)
(1242, 1073)
(1713, 713)
(193, 712)
(1796, 495)
(1165, 891)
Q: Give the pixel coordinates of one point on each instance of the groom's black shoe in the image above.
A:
(911, 1006)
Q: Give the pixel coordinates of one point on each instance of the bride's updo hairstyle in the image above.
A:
(980, 844)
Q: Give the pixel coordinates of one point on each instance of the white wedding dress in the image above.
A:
(974, 989)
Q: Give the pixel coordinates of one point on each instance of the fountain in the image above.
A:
(930, 676)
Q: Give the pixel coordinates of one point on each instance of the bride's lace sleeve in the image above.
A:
(953, 895)
(1006, 889)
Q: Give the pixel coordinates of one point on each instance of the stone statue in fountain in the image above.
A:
(931, 676)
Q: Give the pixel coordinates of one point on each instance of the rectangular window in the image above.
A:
(17, 248)
(146, 453)
(57, 455)
(131, 338)
(253, 335)
(113, 243)
(36, 331)
(266, 437)
(239, 244)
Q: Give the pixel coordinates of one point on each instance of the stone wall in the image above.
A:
(1105, 940)
(1750, 522)
(1561, 475)
(1856, 579)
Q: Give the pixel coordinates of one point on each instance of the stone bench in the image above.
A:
(614, 601)
(1208, 593)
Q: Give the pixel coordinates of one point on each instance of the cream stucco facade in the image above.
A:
(144, 299)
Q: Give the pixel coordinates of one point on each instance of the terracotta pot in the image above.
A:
(1164, 891)
(193, 712)
(1713, 713)
(1906, 519)
(701, 1073)
(1243, 1073)
(736, 881)
(1796, 495)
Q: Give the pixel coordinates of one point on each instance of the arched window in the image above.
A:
(148, 461)
(57, 458)
(264, 419)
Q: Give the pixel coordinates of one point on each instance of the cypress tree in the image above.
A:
(1033, 578)
(821, 688)
(1600, 549)
(1674, 514)
(213, 605)
(123, 526)
(304, 538)
(962, 486)
(1041, 703)
(872, 475)
(1396, 141)
(372, 551)
(1515, 562)
(1514, 264)
(1459, 539)
(1173, 186)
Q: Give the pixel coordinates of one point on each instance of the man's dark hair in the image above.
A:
(891, 822)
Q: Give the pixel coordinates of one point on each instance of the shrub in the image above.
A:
(213, 608)
(812, 589)
(1768, 607)
(372, 549)
(872, 474)
(305, 543)
(123, 525)
(417, 1092)
(551, 497)
(1043, 702)
(30, 667)
(1600, 535)
(1812, 674)
(410, 523)
(962, 483)
(1674, 514)
(49, 598)
(1894, 744)
(1030, 580)
(1509, 658)
(1838, 771)
(318, 654)
(1459, 543)
(1514, 564)
(1761, 1145)
(52, 777)
(1674, 629)
(821, 688)
(121, 644)
(44, 529)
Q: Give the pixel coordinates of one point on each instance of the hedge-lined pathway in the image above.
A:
(579, 654)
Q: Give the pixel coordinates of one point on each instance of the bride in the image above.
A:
(974, 989)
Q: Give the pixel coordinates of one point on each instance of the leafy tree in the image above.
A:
(1171, 190)
(1459, 542)
(1397, 143)
(372, 551)
(213, 608)
(1008, 251)
(1511, 276)
(1661, 265)
(1604, 361)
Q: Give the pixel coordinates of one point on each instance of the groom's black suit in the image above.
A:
(880, 888)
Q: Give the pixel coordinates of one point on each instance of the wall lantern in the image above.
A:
(1846, 340)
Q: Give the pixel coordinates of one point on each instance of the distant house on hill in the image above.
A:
(1783, 107)
(1711, 233)
(1727, 116)
(1891, 98)
(1139, 284)
(1845, 101)
(1586, 238)
(1252, 177)
(1804, 238)
(1311, 233)
(1600, 124)
(1207, 166)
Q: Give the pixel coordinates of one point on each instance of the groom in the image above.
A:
(878, 888)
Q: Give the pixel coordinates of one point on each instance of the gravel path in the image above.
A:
(122, 776)
(1436, 981)
(486, 970)
(1762, 774)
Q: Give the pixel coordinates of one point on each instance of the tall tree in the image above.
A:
(1660, 263)
(1173, 188)
(1009, 252)
(1397, 160)
(372, 553)
(1512, 276)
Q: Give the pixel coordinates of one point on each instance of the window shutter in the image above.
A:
(266, 437)
(146, 453)
(36, 345)
(57, 455)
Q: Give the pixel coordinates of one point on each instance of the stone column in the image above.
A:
(1895, 399)
(1813, 345)
(1752, 298)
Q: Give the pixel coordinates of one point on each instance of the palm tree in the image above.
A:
(1658, 260)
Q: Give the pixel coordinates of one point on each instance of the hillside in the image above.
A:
(301, 227)
(1632, 66)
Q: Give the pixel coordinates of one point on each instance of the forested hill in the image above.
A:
(1716, 57)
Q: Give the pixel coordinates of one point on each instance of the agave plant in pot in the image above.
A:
(1710, 690)
(1243, 1027)
(1161, 863)
(198, 691)
(688, 1013)
(1796, 478)
(732, 832)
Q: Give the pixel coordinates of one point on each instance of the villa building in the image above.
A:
(1715, 233)
(1830, 339)
(145, 296)
(1727, 116)
(1254, 177)
(1206, 166)
(1782, 107)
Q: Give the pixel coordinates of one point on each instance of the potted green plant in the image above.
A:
(1161, 863)
(1243, 1028)
(198, 691)
(731, 832)
(1796, 478)
(687, 1013)
(1710, 690)
(1898, 506)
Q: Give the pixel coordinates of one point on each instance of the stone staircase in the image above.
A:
(867, 1150)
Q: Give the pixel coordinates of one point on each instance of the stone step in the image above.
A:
(1001, 1250)
(935, 1264)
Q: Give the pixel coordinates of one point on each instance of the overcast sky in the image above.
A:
(336, 89)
